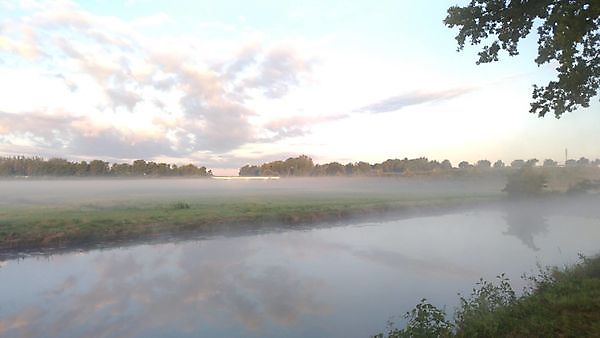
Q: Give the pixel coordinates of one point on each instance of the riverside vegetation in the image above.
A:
(558, 303)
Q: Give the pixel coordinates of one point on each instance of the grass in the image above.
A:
(33, 227)
(559, 303)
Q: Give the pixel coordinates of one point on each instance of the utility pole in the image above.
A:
(566, 156)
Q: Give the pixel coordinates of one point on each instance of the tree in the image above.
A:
(363, 168)
(525, 182)
(334, 169)
(517, 164)
(483, 164)
(139, 167)
(464, 165)
(249, 170)
(446, 164)
(568, 34)
(583, 162)
(499, 164)
(550, 163)
(531, 162)
(98, 168)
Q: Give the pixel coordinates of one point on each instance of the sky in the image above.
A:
(228, 83)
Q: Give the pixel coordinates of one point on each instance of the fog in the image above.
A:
(106, 191)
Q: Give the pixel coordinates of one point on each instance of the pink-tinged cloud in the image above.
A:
(108, 56)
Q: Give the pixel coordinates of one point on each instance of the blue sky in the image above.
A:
(225, 83)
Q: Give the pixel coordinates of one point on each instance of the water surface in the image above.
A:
(343, 281)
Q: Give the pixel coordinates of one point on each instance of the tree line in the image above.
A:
(37, 166)
(304, 166)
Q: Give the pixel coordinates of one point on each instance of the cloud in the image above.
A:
(143, 80)
(280, 69)
(298, 125)
(42, 129)
(413, 98)
(123, 97)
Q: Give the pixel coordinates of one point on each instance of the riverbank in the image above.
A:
(35, 229)
(45, 215)
(559, 303)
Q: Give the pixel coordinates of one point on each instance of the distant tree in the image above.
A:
(82, 168)
(192, 170)
(98, 168)
(531, 162)
(139, 167)
(464, 165)
(59, 167)
(36, 166)
(298, 166)
(483, 164)
(568, 34)
(550, 163)
(163, 169)
(334, 169)
(517, 164)
(121, 169)
(446, 164)
(363, 168)
(583, 162)
(499, 164)
(525, 182)
(570, 163)
(249, 170)
(349, 169)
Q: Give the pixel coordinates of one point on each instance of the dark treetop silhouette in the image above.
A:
(568, 34)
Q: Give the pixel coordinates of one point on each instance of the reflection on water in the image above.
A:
(525, 223)
(336, 282)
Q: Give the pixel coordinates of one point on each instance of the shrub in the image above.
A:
(180, 206)
(525, 182)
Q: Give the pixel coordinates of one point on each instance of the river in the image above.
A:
(337, 281)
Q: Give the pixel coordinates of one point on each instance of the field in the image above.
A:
(66, 213)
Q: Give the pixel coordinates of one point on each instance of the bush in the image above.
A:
(180, 206)
(525, 182)
(425, 320)
(558, 303)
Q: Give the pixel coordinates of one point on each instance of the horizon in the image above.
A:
(233, 172)
(227, 84)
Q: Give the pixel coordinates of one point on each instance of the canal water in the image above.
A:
(341, 281)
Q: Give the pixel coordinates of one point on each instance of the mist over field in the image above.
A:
(76, 191)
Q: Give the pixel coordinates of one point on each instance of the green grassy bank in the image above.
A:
(559, 303)
(37, 227)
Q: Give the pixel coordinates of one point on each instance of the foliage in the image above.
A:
(37, 166)
(484, 164)
(464, 165)
(557, 303)
(525, 182)
(304, 166)
(583, 186)
(568, 33)
(424, 320)
(476, 314)
(180, 206)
